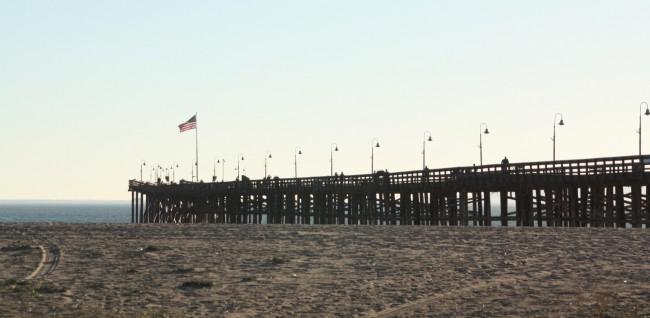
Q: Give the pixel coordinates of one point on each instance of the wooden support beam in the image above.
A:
(381, 215)
(392, 209)
(504, 208)
(306, 208)
(291, 209)
(361, 216)
(636, 206)
(417, 218)
(584, 206)
(434, 215)
(132, 207)
(540, 207)
(597, 204)
(647, 206)
(464, 216)
(425, 208)
(620, 207)
(373, 208)
(487, 209)
(141, 214)
(354, 205)
(475, 215)
(452, 208)
(549, 207)
(341, 209)
(137, 207)
(609, 206)
(443, 210)
(524, 207)
(520, 215)
(573, 207)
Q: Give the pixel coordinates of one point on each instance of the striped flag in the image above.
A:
(188, 125)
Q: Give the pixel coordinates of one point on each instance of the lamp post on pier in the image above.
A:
(267, 156)
(555, 124)
(238, 161)
(159, 172)
(647, 113)
(333, 147)
(214, 169)
(223, 171)
(424, 148)
(374, 144)
(174, 172)
(297, 151)
(142, 164)
(481, 133)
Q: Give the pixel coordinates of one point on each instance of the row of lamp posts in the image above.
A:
(158, 170)
(558, 120)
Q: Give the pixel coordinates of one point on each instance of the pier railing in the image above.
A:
(567, 168)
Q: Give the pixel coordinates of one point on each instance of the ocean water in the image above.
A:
(102, 212)
(65, 212)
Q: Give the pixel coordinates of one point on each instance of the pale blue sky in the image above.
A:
(90, 88)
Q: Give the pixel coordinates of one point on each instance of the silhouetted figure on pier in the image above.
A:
(504, 165)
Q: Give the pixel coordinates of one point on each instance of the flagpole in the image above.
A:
(197, 148)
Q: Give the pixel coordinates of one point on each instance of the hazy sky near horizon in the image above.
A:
(88, 89)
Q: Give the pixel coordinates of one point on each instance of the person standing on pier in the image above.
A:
(504, 164)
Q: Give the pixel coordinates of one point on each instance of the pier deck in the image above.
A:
(599, 192)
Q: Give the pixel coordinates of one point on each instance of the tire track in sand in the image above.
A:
(404, 308)
(50, 258)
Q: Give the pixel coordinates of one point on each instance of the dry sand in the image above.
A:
(321, 271)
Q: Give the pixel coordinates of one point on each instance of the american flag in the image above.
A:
(188, 125)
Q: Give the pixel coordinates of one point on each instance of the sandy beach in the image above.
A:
(65, 270)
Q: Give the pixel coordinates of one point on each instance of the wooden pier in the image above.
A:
(601, 192)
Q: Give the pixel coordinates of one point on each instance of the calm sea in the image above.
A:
(93, 212)
(65, 211)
